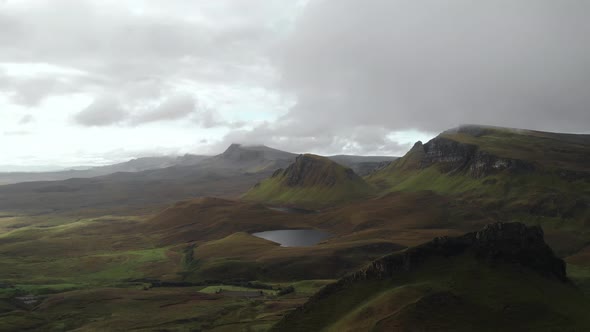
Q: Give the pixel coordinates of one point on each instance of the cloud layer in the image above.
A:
(434, 64)
(326, 76)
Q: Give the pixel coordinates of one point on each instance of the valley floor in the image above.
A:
(195, 265)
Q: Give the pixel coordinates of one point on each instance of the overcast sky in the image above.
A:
(91, 82)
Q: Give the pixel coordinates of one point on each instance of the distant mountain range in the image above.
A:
(506, 171)
(237, 155)
(134, 165)
(143, 182)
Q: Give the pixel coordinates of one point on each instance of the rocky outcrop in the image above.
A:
(311, 182)
(311, 170)
(512, 243)
(453, 157)
(498, 242)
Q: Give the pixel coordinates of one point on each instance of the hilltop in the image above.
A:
(536, 176)
(250, 158)
(480, 151)
(503, 277)
(311, 181)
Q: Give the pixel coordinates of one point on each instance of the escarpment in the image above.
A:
(454, 157)
(498, 243)
(310, 170)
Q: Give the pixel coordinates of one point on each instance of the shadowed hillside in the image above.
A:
(503, 277)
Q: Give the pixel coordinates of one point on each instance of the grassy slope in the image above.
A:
(455, 294)
(541, 197)
(312, 193)
(91, 262)
(550, 150)
(81, 268)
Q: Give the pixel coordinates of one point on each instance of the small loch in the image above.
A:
(294, 237)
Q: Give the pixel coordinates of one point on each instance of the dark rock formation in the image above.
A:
(498, 242)
(310, 170)
(513, 243)
(453, 157)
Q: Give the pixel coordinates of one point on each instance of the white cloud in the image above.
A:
(324, 76)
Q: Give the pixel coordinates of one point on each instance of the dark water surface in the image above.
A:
(291, 210)
(294, 237)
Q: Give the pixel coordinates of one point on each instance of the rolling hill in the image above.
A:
(502, 278)
(311, 181)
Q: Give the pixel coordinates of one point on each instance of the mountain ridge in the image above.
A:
(310, 181)
(506, 250)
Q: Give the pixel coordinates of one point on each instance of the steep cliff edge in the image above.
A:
(455, 157)
(448, 282)
(518, 173)
(479, 151)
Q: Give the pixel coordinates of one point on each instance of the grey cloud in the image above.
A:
(103, 111)
(358, 70)
(174, 108)
(118, 44)
(31, 91)
(434, 64)
(208, 118)
(138, 57)
(108, 111)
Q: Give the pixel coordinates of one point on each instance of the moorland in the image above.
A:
(441, 238)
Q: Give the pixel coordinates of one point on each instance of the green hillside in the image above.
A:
(530, 175)
(311, 181)
(502, 278)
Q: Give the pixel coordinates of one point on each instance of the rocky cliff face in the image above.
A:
(310, 170)
(498, 242)
(453, 157)
(513, 243)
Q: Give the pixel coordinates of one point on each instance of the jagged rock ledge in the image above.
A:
(452, 156)
(312, 170)
(499, 242)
